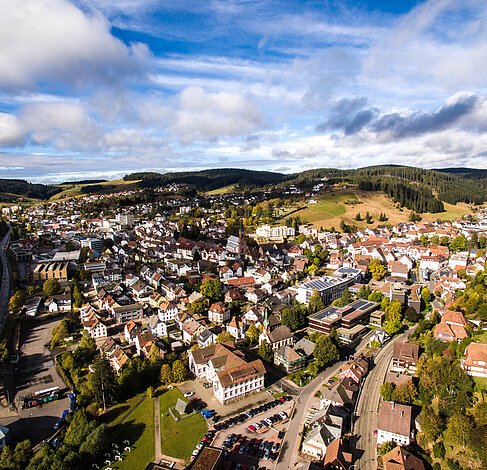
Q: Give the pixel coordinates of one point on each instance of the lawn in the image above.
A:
(328, 208)
(138, 428)
(179, 439)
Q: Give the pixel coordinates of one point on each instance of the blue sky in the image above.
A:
(97, 88)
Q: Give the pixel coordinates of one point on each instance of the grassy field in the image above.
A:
(179, 439)
(73, 190)
(138, 428)
(223, 190)
(331, 209)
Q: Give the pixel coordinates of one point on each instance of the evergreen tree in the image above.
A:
(103, 382)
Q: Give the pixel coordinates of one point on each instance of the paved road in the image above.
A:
(288, 459)
(5, 291)
(367, 405)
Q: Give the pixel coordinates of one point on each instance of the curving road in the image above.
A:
(5, 290)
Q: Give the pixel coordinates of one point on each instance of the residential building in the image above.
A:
(218, 313)
(400, 459)
(452, 327)
(475, 362)
(336, 458)
(404, 357)
(281, 231)
(289, 359)
(59, 303)
(394, 424)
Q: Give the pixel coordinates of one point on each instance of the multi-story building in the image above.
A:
(231, 376)
(281, 231)
(394, 424)
(405, 357)
(329, 288)
(218, 313)
(475, 362)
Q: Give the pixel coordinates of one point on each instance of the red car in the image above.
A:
(251, 428)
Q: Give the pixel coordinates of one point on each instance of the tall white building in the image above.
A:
(280, 231)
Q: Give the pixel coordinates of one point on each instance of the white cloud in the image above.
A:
(52, 40)
(206, 116)
(437, 48)
(10, 130)
(66, 126)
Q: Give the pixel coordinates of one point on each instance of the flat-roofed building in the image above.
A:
(354, 314)
(329, 288)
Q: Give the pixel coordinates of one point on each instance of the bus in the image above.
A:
(40, 397)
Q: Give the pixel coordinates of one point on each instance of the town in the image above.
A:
(169, 328)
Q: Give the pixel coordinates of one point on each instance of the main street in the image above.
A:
(289, 453)
(5, 291)
(367, 406)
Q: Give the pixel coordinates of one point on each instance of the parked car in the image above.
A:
(188, 394)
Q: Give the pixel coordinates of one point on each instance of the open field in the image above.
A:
(137, 427)
(331, 209)
(72, 190)
(223, 190)
(179, 439)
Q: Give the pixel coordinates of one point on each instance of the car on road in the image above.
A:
(207, 385)
(188, 394)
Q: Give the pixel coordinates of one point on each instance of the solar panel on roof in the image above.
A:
(362, 303)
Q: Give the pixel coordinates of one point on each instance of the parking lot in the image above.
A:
(36, 371)
(259, 448)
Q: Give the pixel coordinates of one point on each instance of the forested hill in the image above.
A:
(415, 188)
(471, 173)
(208, 180)
(25, 189)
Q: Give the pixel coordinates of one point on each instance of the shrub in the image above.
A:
(439, 450)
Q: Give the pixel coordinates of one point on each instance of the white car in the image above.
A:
(188, 394)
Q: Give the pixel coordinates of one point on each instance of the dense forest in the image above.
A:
(84, 182)
(208, 180)
(26, 189)
(471, 173)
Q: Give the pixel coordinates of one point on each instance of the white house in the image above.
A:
(394, 424)
(218, 313)
(167, 311)
(59, 303)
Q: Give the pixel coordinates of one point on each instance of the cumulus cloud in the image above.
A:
(207, 117)
(54, 41)
(66, 126)
(11, 132)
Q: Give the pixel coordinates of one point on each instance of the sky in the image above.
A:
(102, 88)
